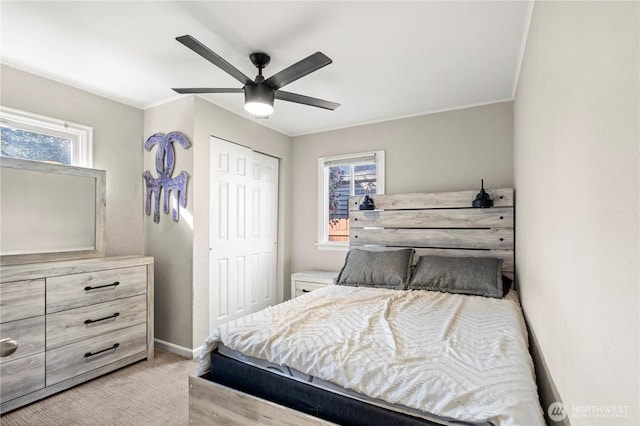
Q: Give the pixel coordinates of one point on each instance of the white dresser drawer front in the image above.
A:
(306, 281)
(306, 286)
(69, 361)
(74, 291)
(21, 299)
(83, 323)
(21, 376)
(27, 333)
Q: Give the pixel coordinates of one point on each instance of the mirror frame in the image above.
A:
(100, 212)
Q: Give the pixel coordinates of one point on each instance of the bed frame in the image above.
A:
(439, 223)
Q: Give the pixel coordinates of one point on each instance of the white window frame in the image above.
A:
(81, 136)
(323, 242)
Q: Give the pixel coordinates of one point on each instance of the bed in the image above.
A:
(419, 329)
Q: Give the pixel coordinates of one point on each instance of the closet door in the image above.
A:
(243, 231)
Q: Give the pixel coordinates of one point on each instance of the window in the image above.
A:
(340, 177)
(35, 137)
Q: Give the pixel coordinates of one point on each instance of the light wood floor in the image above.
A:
(146, 393)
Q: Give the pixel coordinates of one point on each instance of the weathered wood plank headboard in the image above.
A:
(438, 223)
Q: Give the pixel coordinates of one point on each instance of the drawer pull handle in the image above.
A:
(304, 290)
(114, 285)
(8, 347)
(90, 354)
(90, 321)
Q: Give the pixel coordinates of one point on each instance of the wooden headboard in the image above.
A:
(438, 223)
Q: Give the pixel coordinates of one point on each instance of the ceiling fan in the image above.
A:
(259, 94)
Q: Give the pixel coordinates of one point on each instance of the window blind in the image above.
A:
(366, 159)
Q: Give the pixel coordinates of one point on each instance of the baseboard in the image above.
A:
(177, 349)
(547, 391)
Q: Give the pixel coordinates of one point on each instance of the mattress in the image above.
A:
(308, 398)
(364, 409)
(452, 356)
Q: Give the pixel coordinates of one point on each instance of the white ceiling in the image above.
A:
(391, 59)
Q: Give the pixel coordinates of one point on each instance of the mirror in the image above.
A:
(50, 212)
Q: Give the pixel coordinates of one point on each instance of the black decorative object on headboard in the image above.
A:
(367, 203)
(483, 200)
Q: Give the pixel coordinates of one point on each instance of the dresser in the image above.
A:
(306, 281)
(63, 323)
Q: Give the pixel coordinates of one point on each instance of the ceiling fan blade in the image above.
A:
(306, 100)
(214, 58)
(298, 70)
(206, 90)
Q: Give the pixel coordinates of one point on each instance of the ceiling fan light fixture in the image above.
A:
(259, 93)
(258, 109)
(258, 99)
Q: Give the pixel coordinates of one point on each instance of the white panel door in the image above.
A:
(243, 231)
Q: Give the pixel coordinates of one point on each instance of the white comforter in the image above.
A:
(457, 356)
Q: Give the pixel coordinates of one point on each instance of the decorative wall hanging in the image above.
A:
(165, 157)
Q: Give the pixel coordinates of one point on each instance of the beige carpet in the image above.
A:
(146, 393)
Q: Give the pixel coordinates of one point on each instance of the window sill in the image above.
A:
(333, 246)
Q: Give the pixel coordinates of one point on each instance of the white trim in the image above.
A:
(81, 135)
(176, 349)
(523, 45)
(340, 160)
(402, 117)
(73, 85)
(333, 246)
(323, 202)
(165, 101)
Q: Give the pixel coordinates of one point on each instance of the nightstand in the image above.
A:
(306, 281)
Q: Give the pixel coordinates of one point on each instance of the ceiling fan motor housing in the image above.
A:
(258, 93)
(258, 99)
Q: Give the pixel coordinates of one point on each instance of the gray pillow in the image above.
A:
(480, 276)
(377, 268)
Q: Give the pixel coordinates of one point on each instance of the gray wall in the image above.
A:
(181, 249)
(117, 147)
(211, 120)
(576, 162)
(437, 152)
(170, 243)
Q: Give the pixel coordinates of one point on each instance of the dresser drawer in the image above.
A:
(69, 361)
(306, 281)
(74, 291)
(21, 376)
(307, 286)
(83, 323)
(29, 335)
(21, 299)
